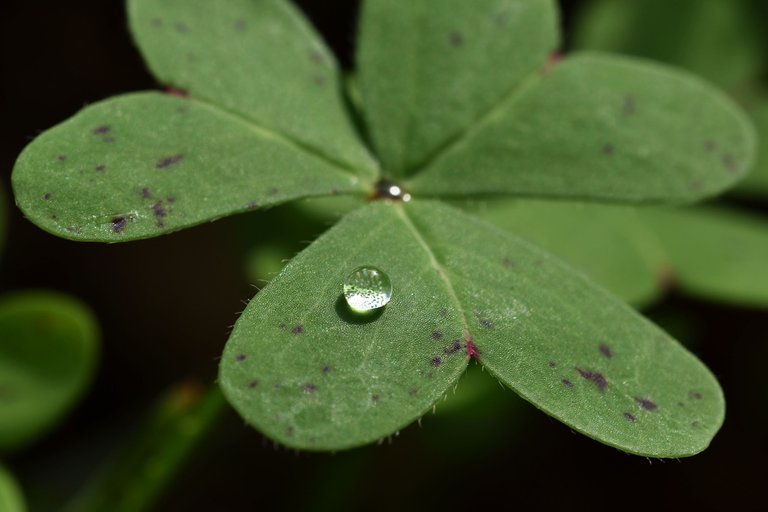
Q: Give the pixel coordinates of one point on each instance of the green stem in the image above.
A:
(137, 476)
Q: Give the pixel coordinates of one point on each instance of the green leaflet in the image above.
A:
(48, 351)
(715, 253)
(600, 127)
(259, 59)
(144, 164)
(301, 370)
(756, 182)
(609, 243)
(429, 69)
(719, 40)
(11, 499)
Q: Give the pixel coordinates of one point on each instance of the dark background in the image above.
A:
(165, 306)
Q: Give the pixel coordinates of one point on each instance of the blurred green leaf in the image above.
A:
(428, 70)
(48, 352)
(719, 40)
(144, 164)
(3, 220)
(756, 182)
(137, 476)
(602, 127)
(715, 253)
(301, 368)
(11, 499)
(608, 243)
(259, 60)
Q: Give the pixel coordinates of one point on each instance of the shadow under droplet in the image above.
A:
(353, 317)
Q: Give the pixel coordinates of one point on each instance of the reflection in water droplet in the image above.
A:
(367, 289)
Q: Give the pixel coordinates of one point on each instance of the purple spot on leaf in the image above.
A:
(694, 395)
(436, 361)
(437, 335)
(454, 348)
(46, 196)
(552, 364)
(101, 130)
(630, 417)
(595, 377)
(118, 224)
(61, 158)
(605, 350)
(646, 404)
(298, 329)
(567, 383)
(253, 384)
(145, 193)
(101, 167)
(456, 39)
(375, 398)
(240, 358)
(168, 161)
(309, 388)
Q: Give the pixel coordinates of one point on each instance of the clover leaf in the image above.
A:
(11, 499)
(459, 99)
(48, 348)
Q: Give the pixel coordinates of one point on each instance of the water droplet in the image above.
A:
(366, 289)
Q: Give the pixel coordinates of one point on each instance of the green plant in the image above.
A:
(460, 100)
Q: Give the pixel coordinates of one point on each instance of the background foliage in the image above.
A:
(146, 293)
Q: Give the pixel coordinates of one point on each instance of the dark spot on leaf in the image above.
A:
(695, 424)
(629, 107)
(552, 364)
(454, 348)
(168, 161)
(181, 28)
(101, 130)
(567, 383)
(118, 224)
(456, 39)
(483, 321)
(646, 404)
(170, 199)
(710, 146)
(605, 350)
(101, 167)
(507, 263)
(375, 398)
(240, 358)
(61, 158)
(253, 384)
(437, 335)
(608, 149)
(472, 350)
(159, 211)
(298, 329)
(316, 57)
(595, 377)
(680, 404)
(326, 369)
(309, 388)
(694, 395)
(730, 163)
(436, 361)
(240, 25)
(145, 193)
(630, 417)
(46, 196)
(413, 392)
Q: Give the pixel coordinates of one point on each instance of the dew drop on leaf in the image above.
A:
(367, 289)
